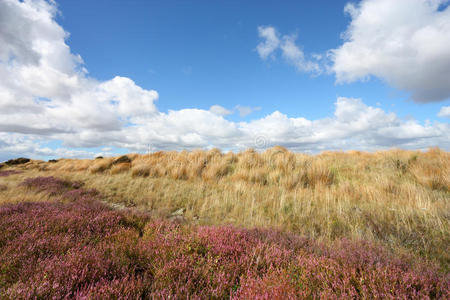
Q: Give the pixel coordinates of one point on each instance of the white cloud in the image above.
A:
(220, 110)
(246, 110)
(46, 95)
(19, 145)
(295, 56)
(271, 41)
(404, 42)
(292, 53)
(241, 109)
(44, 87)
(444, 112)
(354, 126)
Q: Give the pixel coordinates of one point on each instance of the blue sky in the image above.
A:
(197, 54)
(121, 75)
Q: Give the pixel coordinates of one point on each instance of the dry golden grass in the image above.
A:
(12, 192)
(120, 167)
(398, 198)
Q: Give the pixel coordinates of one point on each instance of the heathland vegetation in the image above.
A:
(211, 224)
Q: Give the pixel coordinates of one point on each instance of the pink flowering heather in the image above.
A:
(51, 185)
(9, 172)
(79, 248)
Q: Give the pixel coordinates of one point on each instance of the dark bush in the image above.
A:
(122, 159)
(17, 161)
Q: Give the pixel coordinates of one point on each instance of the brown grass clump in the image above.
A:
(397, 198)
(120, 168)
(101, 165)
(71, 165)
(140, 170)
(432, 169)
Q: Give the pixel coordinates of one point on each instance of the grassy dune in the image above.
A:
(397, 200)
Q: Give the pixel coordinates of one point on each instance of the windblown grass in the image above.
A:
(76, 247)
(396, 198)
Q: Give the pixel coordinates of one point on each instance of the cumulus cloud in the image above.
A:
(403, 42)
(444, 112)
(44, 86)
(291, 52)
(46, 95)
(353, 126)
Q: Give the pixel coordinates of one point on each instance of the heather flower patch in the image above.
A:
(80, 248)
(51, 185)
(9, 172)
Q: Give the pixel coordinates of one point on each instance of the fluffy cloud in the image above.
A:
(353, 126)
(295, 56)
(272, 41)
(44, 87)
(404, 42)
(46, 95)
(444, 112)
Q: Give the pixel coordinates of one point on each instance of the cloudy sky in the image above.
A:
(84, 78)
